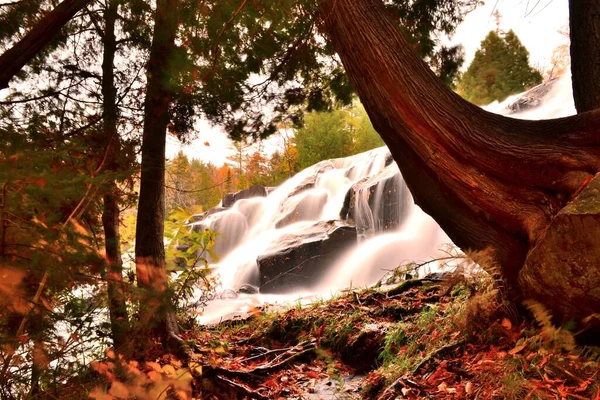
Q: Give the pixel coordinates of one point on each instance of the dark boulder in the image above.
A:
(378, 203)
(299, 261)
(248, 289)
(562, 271)
(252, 191)
(532, 98)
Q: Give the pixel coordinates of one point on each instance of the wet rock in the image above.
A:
(214, 210)
(309, 181)
(532, 98)
(363, 348)
(227, 294)
(299, 261)
(196, 218)
(252, 191)
(377, 203)
(389, 160)
(248, 289)
(308, 208)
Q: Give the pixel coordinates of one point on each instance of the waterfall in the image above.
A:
(363, 198)
(377, 200)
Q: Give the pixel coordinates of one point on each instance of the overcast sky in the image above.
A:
(536, 23)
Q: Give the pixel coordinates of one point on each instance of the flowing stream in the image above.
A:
(390, 229)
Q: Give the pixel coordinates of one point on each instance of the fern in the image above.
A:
(555, 336)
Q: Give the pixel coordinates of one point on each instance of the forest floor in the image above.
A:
(419, 339)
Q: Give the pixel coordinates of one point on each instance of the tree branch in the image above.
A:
(15, 58)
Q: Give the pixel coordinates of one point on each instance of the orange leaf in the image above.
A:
(119, 390)
(516, 349)
(98, 394)
(169, 370)
(153, 376)
(154, 365)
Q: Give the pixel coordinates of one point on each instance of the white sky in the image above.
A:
(535, 22)
(536, 26)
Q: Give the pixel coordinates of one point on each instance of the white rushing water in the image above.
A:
(256, 226)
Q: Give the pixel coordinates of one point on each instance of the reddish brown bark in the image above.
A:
(584, 26)
(25, 49)
(488, 180)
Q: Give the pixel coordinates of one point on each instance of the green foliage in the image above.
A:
(335, 134)
(364, 135)
(281, 42)
(324, 135)
(187, 260)
(49, 211)
(191, 185)
(393, 342)
(500, 68)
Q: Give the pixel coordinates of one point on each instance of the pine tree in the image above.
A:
(500, 68)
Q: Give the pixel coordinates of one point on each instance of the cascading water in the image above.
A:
(364, 197)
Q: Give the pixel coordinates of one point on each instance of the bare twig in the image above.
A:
(244, 390)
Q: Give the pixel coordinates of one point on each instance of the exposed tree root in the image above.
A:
(223, 377)
(406, 285)
(403, 382)
(438, 353)
(241, 388)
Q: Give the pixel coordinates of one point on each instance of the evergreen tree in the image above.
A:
(339, 133)
(500, 68)
(324, 135)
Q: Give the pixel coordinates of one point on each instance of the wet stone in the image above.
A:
(299, 261)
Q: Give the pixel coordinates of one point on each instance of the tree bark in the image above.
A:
(149, 246)
(488, 180)
(110, 217)
(23, 51)
(584, 27)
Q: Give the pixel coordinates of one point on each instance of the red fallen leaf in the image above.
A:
(320, 331)
(24, 338)
(39, 182)
(207, 144)
(312, 374)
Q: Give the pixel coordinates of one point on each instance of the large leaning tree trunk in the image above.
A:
(119, 320)
(584, 27)
(29, 46)
(488, 180)
(155, 311)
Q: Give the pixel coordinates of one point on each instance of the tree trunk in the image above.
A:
(110, 217)
(149, 246)
(25, 49)
(488, 180)
(584, 26)
(119, 320)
